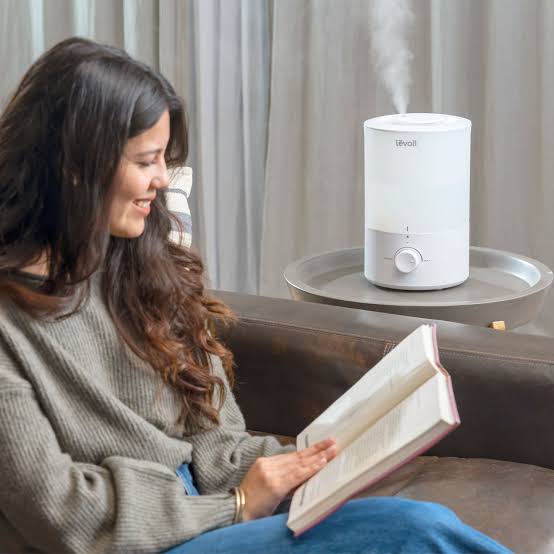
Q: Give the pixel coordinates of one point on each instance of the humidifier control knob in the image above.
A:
(407, 259)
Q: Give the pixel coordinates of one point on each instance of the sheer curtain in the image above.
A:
(216, 52)
(28, 27)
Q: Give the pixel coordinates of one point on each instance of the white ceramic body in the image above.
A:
(417, 179)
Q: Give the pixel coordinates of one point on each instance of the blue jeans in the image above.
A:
(377, 525)
(188, 480)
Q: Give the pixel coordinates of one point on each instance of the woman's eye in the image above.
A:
(146, 164)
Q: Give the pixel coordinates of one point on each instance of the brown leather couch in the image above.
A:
(496, 471)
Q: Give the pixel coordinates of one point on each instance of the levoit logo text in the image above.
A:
(406, 143)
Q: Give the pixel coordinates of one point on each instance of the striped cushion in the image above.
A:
(177, 202)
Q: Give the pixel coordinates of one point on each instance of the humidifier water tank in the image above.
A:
(417, 170)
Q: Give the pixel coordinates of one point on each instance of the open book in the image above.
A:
(396, 411)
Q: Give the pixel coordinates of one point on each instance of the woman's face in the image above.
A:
(141, 172)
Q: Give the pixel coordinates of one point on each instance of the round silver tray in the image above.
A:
(501, 287)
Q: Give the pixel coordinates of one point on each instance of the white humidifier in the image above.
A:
(417, 168)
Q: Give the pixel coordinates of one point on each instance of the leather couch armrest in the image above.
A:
(295, 358)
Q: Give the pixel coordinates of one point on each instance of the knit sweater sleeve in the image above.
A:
(60, 505)
(222, 455)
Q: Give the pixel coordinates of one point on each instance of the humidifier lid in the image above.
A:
(418, 123)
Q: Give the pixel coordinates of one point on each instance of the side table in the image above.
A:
(504, 290)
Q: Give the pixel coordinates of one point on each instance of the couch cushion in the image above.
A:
(511, 502)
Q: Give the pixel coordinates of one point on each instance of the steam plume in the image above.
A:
(389, 23)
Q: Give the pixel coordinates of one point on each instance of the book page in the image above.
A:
(393, 378)
(402, 426)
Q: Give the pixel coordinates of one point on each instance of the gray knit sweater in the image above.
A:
(89, 443)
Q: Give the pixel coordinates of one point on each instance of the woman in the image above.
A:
(118, 427)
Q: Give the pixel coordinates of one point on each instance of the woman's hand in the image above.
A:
(271, 479)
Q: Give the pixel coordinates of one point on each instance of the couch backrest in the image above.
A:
(295, 358)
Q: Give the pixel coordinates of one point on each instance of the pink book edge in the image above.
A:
(424, 448)
(451, 398)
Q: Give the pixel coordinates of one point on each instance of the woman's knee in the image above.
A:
(406, 515)
(420, 515)
(405, 508)
(426, 526)
(391, 524)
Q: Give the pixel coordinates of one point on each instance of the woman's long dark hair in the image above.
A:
(62, 136)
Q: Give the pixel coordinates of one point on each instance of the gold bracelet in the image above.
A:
(240, 502)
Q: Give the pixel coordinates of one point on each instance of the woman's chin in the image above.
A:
(127, 231)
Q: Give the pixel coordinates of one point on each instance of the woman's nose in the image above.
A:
(162, 179)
